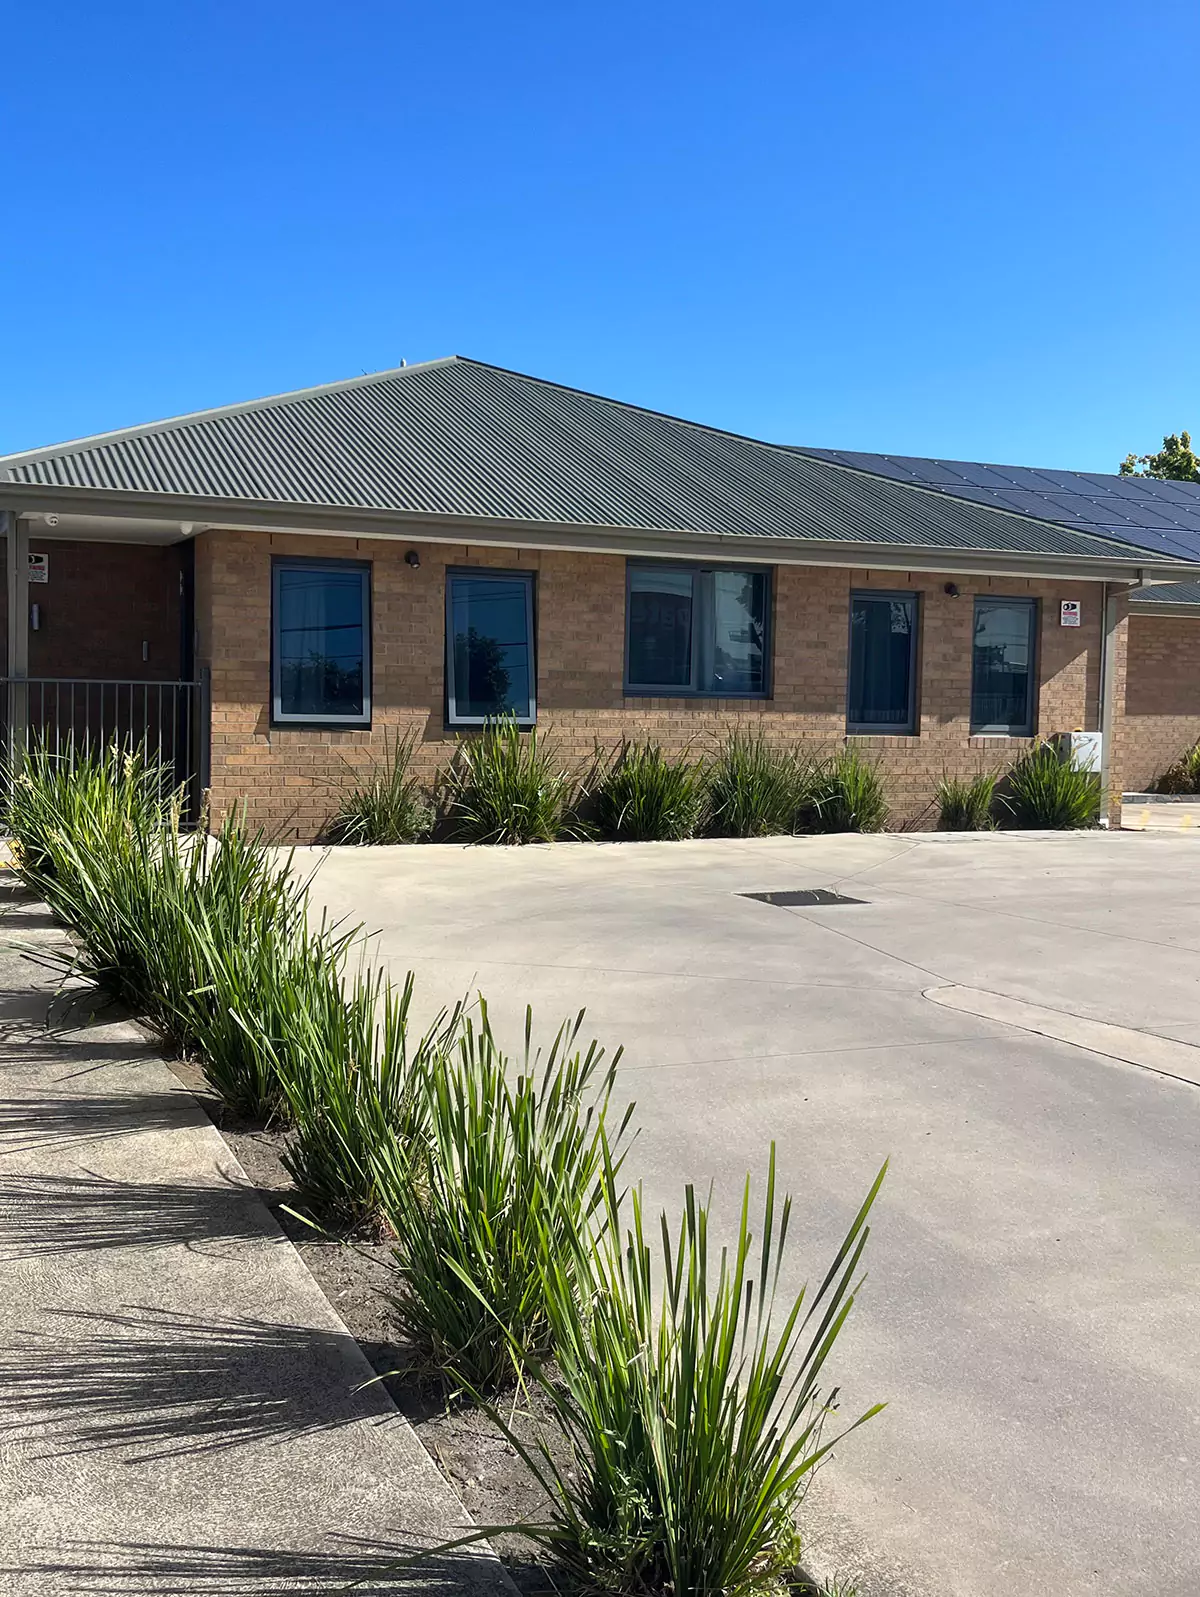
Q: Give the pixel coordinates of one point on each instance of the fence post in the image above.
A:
(16, 536)
(203, 757)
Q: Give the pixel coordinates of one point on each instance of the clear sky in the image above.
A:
(932, 228)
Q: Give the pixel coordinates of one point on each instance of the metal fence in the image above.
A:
(169, 719)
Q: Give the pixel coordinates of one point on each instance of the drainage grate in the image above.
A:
(809, 895)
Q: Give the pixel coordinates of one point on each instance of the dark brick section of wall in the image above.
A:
(289, 778)
(1162, 700)
(101, 603)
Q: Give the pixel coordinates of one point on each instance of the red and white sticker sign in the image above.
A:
(1069, 614)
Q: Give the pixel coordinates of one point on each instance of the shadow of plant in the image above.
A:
(369, 1567)
(43, 1122)
(45, 1215)
(161, 1385)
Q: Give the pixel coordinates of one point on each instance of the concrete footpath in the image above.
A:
(178, 1411)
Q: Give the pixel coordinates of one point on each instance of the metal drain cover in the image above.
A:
(808, 895)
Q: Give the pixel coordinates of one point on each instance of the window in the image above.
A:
(1002, 666)
(321, 629)
(695, 629)
(489, 646)
(883, 654)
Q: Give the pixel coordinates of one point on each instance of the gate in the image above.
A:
(169, 719)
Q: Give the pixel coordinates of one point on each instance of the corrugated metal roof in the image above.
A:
(1162, 517)
(1156, 594)
(460, 437)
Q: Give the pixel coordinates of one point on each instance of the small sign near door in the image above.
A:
(1069, 613)
(39, 567)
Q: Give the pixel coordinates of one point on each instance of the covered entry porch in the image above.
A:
(99, 634)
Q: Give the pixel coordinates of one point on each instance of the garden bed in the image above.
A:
(483, 1467)
(693, 1429)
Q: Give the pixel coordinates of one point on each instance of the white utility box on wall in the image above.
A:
(1084, 750)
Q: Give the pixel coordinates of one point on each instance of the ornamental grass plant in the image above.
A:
(641, 795)
(688, 1405)
(507, 786)
(755, 789)
(847, 794)
(1182, 775)
(350, 1078)
(384, 803)
(494, 1193)
(1044, 791)
(965, 803)
(206, 939)
(93, 794)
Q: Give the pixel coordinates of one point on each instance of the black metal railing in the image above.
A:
(168, 719)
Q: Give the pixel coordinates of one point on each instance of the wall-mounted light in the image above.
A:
(951, 589)
(413, 559)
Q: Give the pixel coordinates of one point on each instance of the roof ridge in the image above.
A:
(23, 457)
(642, 410)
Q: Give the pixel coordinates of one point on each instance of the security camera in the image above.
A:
(52, 521)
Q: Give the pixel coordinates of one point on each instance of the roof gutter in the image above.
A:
(197, 513)
(1190, 612)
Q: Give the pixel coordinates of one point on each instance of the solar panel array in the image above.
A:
(1162, 517)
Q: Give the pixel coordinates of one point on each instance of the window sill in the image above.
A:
(320, 726)
(481, 725)
(688, 693)
(882, 732)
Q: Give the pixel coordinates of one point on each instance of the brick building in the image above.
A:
(424, 548)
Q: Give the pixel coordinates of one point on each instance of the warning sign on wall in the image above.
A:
(1069, 615)
(39, 567)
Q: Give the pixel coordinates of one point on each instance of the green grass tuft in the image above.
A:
(1044, 791)
(755, 789)
(642, 796)
(386, 804)
(965, 803)
(507, 786)
(1182, 776)
(503, 1181)
(847, 795)
(690, 1414)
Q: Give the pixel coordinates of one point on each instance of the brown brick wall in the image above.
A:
(101, 602)
(1162, 699)
(289, 777)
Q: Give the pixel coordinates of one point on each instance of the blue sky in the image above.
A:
(945, 229)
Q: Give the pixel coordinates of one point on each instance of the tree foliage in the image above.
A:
(1175, 461)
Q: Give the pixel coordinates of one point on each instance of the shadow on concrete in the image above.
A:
(45, 1215)
(21, 917)
(373, 1569)
(161, 1385)
(27, 1123)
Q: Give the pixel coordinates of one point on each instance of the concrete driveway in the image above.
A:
(1032, 1313)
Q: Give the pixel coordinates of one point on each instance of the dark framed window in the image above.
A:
(490, 668)
(882, 678)
(698, 630)
(1003, 662)
(321, 642)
